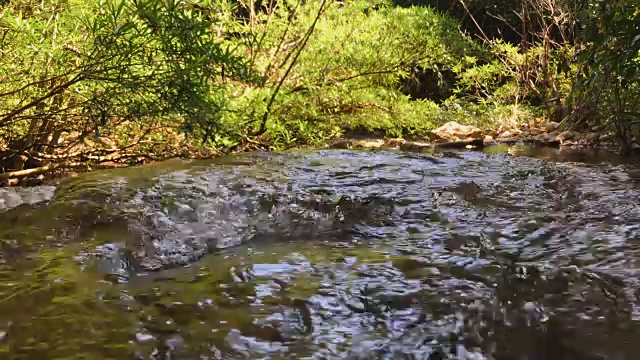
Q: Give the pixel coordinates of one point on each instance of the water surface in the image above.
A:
(511, 253)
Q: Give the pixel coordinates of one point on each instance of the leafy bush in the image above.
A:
(349, 72)
(610, 81)
(87, 82)
(76, 68)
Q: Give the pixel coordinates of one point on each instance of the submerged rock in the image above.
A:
(9, 198)
(14, 197)
(186, 216)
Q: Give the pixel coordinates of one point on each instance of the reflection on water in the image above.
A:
(513, 253)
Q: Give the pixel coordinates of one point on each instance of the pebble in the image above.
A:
(142, 337)
(551, 125)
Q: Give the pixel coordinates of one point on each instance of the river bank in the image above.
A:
(453, 135)
(101, 154)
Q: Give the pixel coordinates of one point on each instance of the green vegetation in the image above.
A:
(105, 82)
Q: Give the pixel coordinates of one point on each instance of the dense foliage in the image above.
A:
(92, 82)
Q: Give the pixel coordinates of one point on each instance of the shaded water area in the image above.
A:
(511, 253)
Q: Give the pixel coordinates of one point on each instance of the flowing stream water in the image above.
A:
(511, 253)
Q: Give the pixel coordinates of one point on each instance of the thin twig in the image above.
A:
(265, 117)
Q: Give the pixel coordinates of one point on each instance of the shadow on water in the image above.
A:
(512, 253)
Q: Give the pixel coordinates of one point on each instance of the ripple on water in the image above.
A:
(332, 255)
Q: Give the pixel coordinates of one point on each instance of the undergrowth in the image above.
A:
(109, 82)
